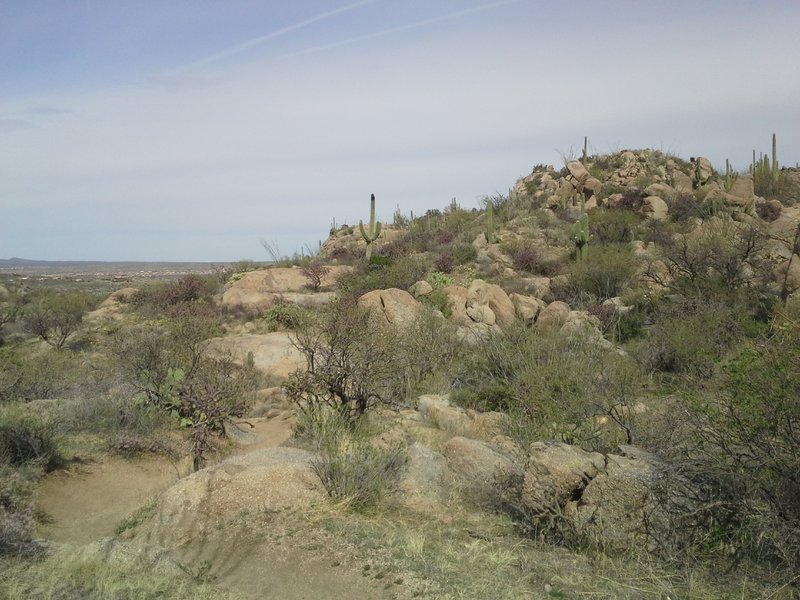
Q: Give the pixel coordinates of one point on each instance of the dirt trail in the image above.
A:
(88, 500)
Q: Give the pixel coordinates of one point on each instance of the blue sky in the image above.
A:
(187, 130)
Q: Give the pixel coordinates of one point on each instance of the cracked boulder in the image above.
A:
(392, 307)
(609, 499)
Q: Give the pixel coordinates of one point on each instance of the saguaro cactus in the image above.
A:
(582, 237)
(374, 227)
(490, 222)
(774, 159)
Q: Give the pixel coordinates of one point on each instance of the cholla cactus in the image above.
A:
(374, 227)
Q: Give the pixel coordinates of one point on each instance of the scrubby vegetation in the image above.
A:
(650, 307)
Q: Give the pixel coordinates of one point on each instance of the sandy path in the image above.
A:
(88, 501)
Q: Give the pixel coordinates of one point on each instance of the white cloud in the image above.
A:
(415, 119)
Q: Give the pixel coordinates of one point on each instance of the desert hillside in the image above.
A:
(585, 387)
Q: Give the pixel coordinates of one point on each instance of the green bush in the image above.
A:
(27, 438)
(613, 226)
(351, 466)
(402, 274)
(605, 272)
(187, 294)
(464, 253)
(690, 337)
(288, 316)
(16, 513)
(552, 387)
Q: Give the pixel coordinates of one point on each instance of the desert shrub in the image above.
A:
(612, 226)
(684, 207)
(438, 300)
(717, 259)
(464, 253)
(115, 415)
(402, 274)
(445, 237)
(351, 466)
(27, 438)
(769, 211)
(54, 316)
(691, 337)
(552, 387)
(173, 297)
(314, 272)
(17, 513)
(632, 199)
(444, 263)
(750, 425)
(352, 365)
(604, 273)
(619, 326)
(527, 258)
(733, 441)
(288, 316)
(171, 370)
(341, 254)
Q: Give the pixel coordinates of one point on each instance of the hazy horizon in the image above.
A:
(187, 131)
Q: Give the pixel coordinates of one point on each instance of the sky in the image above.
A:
(188, 130)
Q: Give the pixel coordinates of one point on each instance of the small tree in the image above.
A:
(315, 273)
(173, 371)
(350, 365)
(54, 317)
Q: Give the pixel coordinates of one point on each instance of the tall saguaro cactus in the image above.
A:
(774, 159)
(374, 227)
(490, 221)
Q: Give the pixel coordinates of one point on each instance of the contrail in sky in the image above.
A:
(415, 25)
(233, 50)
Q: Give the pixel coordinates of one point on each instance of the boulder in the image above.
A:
(715, 195)
(421, 288)
(743, 188)
(555, 475)
(592, 185)
(682, 183)
(703, 171)
(457, 300)
(261, 289)
(617, 507)
(273, 354)
(526, 308)
(554, 314)
(476, 465)
(655, 208)
(539, 287)
(391, 307)
(271, 479)
(481, 313)
(578, 171)
(492, 296)
(421, 485)
(662, 190)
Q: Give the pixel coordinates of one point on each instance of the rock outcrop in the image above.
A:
(391, 307)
